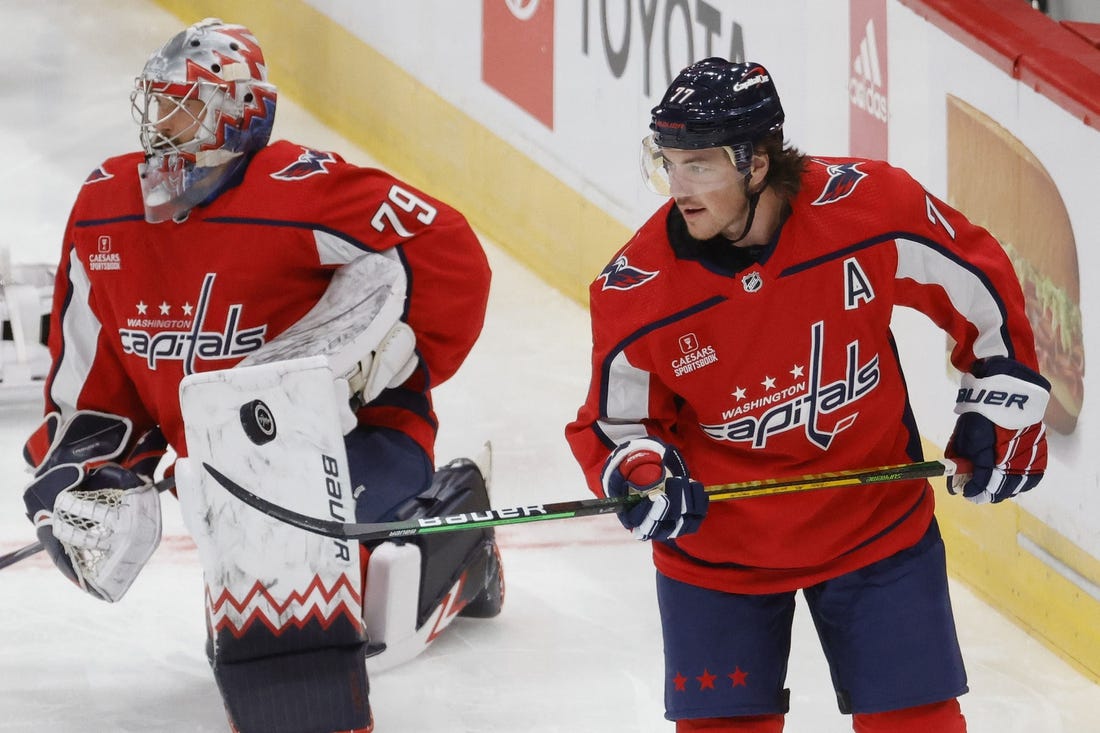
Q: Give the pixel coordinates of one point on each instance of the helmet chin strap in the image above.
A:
(753, 198)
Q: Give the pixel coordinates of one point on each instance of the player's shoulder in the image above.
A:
(112, 188)
(116, 170)
(293, 172)
(288, 161)
(639, 262)
(845, 174)
(828, 180)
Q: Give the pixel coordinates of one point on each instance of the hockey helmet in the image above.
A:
(203, 105)
(712, 103)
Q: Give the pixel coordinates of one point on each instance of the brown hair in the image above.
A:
(786, 164)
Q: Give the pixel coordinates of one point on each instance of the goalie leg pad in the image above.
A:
(383, 465)
(335, 698)
(283, 605)
(390, 598)
(356, 326)
(416, 587)
(448, 557)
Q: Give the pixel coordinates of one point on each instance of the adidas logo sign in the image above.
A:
(865, 85)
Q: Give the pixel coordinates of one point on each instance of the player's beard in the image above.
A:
(705, 220)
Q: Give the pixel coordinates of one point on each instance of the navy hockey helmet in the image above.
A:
(714, 103)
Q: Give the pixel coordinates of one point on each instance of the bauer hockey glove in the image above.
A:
(999, 432)
(674, 505)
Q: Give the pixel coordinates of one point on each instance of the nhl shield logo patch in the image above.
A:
(752, 281)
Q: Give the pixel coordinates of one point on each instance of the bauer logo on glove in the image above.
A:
(1000, 431)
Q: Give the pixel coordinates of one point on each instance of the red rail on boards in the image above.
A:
(1061, 61)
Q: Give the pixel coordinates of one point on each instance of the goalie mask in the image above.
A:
(713, 103)
(204, 105)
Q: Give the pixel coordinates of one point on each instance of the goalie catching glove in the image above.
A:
(999, 432)
(99, 522)
(674, 503)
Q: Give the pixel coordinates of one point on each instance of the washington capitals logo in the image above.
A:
(188, 339)
(820, 408)
(309, 163)
(621, 275)
(843, 179)
(99, 174)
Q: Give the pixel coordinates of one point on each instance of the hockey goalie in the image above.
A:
(281, 315)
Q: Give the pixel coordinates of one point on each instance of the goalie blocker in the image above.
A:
(293, 616)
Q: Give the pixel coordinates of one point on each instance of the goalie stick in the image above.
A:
(570, 509)
(34, 548)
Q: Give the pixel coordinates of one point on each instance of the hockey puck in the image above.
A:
(258, 422)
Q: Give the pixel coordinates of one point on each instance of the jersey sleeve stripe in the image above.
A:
(624, 402)
(969, 292)
(79, 334)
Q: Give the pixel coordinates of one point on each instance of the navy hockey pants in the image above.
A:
(887, 631)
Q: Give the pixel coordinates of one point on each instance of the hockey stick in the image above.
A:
(836, 479)
(36, 547)
(21, 554)
(569, 509)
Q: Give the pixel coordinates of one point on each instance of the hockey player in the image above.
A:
(744, 333)
(199, 252)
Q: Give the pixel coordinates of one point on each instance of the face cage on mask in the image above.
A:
(656, 169)
(179, 174)
(148, 101)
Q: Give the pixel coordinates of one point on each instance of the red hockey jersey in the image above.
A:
(138, 306)
(788, 367)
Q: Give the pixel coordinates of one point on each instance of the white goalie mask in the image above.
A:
(203, 105)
